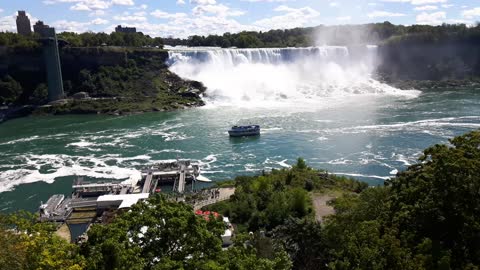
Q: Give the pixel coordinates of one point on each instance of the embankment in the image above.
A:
(117, 80)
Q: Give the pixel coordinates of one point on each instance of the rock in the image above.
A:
(58, 102)
(80, 95)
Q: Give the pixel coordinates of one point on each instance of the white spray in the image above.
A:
(273, 76)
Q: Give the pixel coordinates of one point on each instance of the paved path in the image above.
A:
(64, 232)
(225, 194)
(321, 207)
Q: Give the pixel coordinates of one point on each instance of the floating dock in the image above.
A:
(114, 195)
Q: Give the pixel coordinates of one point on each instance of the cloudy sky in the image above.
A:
(182, 18)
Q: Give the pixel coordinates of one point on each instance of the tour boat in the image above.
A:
(240, 131)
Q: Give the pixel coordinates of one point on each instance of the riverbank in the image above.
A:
(434, 85)
(115, 81)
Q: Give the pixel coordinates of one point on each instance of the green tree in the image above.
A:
(27, 244)
(161, 234)
(10, 90)
(435, 203)
(303, 241)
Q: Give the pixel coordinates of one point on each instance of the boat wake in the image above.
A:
(278, 77)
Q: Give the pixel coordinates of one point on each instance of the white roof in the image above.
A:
(202, 178)
(227, 233)
(127, 200)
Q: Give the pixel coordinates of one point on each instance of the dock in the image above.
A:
(97, 201)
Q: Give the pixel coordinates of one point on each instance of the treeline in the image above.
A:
(87, 39)
(14, 40)
(90, 39)
(334, 35)
(375, 33)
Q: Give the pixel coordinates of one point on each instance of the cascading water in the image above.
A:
(280, 76)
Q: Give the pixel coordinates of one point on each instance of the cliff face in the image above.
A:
(118, 80)
(429, 61)
(16, 62)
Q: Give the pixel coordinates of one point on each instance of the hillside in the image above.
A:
(117, 80)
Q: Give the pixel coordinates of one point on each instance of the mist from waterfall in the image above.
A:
(281, 76)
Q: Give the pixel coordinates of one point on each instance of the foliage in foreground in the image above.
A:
(268, 200)
(428, 217)
(26, 244)
(156, 234)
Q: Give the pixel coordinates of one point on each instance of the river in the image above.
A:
(369, 135)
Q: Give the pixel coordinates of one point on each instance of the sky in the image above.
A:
(183, 18)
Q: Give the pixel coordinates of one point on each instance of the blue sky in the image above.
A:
(182, 18)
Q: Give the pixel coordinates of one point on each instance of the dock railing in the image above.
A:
(199, 205)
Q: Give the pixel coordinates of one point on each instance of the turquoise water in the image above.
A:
(369, 137)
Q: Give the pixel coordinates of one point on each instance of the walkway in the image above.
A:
(223, 195)
(321, 208)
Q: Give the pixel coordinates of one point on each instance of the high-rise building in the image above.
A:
(23, 24)
(120, 29)
(39, 27)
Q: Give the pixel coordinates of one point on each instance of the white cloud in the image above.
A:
(123, 2)
(184, 26)
(203, 2)
(269, 1)
(378, 14)
(70, 26)
(416, 2)
(344, 18)
(96, 13)
(293, 17)
(435, 18)
(165, 15)
(180, 2)
(7, 23)
(1, 10)
(423, 8)
(471, 13)
(86, 5)
(334, 4)
(131, 17)
(98, 21)
(424, 2)
(447, 5)
(219, 10)
(80, 7)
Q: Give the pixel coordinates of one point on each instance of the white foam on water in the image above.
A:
(339, 161)
(401, 158)
(47, 168)
(427, 126)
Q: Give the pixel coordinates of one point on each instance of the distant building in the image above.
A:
(40, 27)
(23, 24)
(120, 29)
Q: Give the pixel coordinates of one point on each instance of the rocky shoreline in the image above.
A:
(426, 85)
(106, 81)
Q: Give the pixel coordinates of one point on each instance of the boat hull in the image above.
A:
(243, 133)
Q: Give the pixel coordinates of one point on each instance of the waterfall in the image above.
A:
(256, 56)
(280, 76)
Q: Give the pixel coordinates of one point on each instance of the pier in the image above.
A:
(98, 201)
